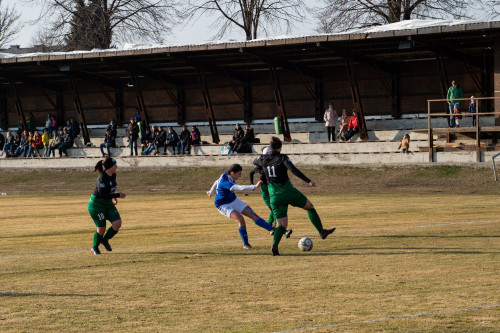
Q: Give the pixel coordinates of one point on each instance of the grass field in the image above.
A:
(425, 261)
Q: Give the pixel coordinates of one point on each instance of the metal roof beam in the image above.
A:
(29, 80)
(450, 52)
(281, 62)
(348, 55)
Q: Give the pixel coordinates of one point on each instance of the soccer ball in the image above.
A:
(305, 244)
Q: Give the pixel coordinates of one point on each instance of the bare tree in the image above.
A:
(117, 20)
(9, 24)
(341, 15)
(251, 16)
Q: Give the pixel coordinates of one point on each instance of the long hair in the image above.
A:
(104, 164)
(99, 167)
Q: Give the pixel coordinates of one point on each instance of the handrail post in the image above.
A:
(429, 133)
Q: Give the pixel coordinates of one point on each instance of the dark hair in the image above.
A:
(275, 143)
(235, 168)
(104, 164)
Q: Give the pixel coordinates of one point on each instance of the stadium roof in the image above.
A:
(385, 45)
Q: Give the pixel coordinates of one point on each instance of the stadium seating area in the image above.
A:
(309, 146)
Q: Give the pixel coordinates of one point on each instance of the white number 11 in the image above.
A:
(271, 171)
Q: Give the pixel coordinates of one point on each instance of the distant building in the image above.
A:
(17, 49)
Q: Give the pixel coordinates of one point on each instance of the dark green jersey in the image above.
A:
(105, 187)
(276, 168)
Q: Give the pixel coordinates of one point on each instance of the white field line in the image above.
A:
(178, 246)
(404, 316)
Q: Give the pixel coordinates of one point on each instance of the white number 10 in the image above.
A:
(271, 171)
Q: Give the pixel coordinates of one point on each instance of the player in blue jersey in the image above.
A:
(230, 206)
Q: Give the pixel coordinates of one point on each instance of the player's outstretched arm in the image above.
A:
(212, 189)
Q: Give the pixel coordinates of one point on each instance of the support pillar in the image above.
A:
(319, 102)
(79, 109)
(181, 107)
(247, 105)
(119, 106)
(496, 83)
(443, 80)
(396, 96)
(208, 107)
(356, 101)
(60, 107)
(4, 112)
(140, 100)
(19, 105)
(278, 96)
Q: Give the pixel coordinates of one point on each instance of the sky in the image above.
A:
(197, 32)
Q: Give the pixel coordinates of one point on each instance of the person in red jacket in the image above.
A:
(36, 144)
(352, 126)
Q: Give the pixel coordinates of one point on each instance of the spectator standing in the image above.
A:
(473, 110)
(108, 143)
(330, 117)
(46, 142)
(54, 123)
(31, 122)
(54, 143)
(352, 126)
(457, 115)
(184, 139)
(133, 135)
(171, 140)
(405, 144)
(454, 92)
(48, 123)
(66, 143)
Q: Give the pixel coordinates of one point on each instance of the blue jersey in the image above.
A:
(224, 193)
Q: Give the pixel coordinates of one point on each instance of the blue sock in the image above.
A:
(263, 224)
(243, 234)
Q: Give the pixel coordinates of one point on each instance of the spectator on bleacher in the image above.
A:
(330, 117)
(9, 145)
(133, 136)
(48, 123)
(245, 144)
(54, 143)
(171, 140)
(344, 121)
(195, 136)
(473, 109)
(67, 126)
(454, 92)
(66, 143)
(108, 143)
(35, 144)
(24, 145)
(75, 128)
(405, 144)
(238, 134)
(184, 139)
(352, 126)
(54, 123)
(457, 115)
(137, 114)
(148, 143)
(31, 122)
(160, 138)
(46, 142)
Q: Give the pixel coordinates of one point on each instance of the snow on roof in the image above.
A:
(394, 27)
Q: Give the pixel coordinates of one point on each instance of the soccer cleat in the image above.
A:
(326, 232)
(247, 246)
(275, 251)
(106, 245)
(288, 233)
(95, 250)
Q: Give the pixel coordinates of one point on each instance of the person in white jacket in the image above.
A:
(330, 117)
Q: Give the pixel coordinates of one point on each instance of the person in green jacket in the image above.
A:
(454, 92)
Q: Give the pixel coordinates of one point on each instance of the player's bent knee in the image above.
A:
(116, 224)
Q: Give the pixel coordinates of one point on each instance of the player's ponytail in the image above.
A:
(99, 167)
(234, 168)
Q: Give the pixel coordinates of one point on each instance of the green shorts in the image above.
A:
(101, 210)
(264, 192)
(283, 195)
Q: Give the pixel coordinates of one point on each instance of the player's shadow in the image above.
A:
(16, 294)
